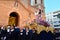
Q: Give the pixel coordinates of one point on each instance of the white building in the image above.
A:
(53, 19)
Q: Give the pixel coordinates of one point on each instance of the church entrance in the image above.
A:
(13, 19)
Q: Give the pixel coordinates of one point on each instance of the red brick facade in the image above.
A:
(25, 13)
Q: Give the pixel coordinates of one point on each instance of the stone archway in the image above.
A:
(13, 19)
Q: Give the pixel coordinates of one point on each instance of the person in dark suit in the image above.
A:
(22, 34)
(16, 33)
(42, 35)
(28, 34)
(0, 32)
(56, 34)
(50, 36)
(3, 33)
(8, 33)
(34, 36)
(16, 29)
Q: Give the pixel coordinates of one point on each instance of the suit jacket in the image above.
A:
(22, 35)
(42, 35)
(50, 36)
(8, 35)
(34, 36)
(29, 35)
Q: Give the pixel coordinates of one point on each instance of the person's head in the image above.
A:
(55, 30)
(33, 29)
(27, 28)
(8, 26)
(12, 27)
(2, 27)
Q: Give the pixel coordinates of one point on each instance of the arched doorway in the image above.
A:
(13, 19)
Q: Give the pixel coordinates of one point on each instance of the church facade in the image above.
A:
(20, 12)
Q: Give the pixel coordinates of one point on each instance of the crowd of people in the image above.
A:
(15, 33)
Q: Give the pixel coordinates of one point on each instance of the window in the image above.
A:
(54, 15)
(39, 11)
(55, 21)
(48, 20)
(41, 1)
(59, 21)
(56, 25)
(35, 1)
(32, 2)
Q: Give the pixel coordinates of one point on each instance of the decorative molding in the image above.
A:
(16, 3)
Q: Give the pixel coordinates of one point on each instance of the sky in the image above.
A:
(51, 5)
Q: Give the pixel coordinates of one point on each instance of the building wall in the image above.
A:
(53, 19)
(7, 7)
(22, 10)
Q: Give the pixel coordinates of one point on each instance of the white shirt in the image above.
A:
(8, 30)
(21, 32)
(27, 32)
(2, 27)
(12, 30)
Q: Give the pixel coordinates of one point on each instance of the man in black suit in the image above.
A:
(0, 31)
(42, 35)
(22, 34)
(3, 33)
(16, 33)
(34, 36)
(50, 36)
(8, 33)
(28, 34)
